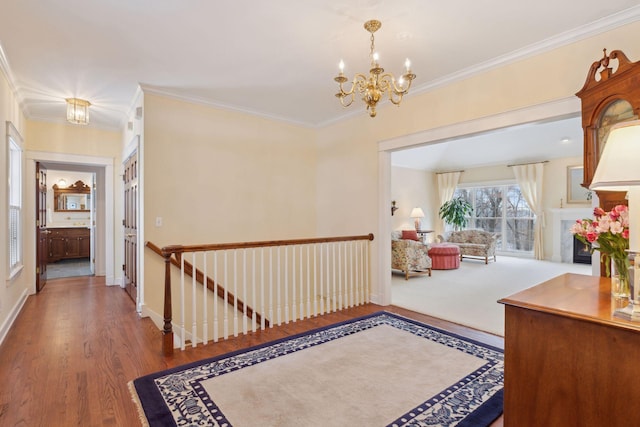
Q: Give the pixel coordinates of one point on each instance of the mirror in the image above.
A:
(74, 198)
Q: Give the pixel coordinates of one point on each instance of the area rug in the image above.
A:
(377, 370)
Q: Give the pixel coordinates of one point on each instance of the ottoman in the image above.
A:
(444, 256)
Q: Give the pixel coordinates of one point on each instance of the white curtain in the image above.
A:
(529, 179)
(447, 183)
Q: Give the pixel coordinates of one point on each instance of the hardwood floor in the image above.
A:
(75, 346)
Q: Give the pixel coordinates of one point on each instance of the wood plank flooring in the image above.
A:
(75, 346)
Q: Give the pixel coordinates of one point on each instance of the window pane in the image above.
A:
(502, 209)
(14, 214)
(520, 234)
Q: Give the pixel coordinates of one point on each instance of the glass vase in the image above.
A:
(620, 280)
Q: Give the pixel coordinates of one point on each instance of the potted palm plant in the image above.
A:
(456, 212)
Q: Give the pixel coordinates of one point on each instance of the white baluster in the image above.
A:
(308, 284)
(194, 319)
(315, 280)
(225, 332)
(235, 292)
(215, 296)
(321, 287)
(262, 284)
(205, 294)
(182, 332)
(293, 283)
(278, 290)
(286, 284)
(271, 318)
(253, 290)
(244, 292)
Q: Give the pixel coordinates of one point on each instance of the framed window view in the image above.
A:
(576, 193)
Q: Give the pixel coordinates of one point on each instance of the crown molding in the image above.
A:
(568, 37)
(6, 70)
(227, 107)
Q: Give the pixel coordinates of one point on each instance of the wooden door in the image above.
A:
(130, 222)
(41, 227)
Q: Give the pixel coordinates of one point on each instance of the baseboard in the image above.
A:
(156, 318)
(13, 315)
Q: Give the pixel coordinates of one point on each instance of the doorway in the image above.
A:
(70, 218)
(103, 238)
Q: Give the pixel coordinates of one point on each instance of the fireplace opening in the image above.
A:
(581, 252)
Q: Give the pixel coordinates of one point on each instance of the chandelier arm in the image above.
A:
(342, 97)
(373, 87)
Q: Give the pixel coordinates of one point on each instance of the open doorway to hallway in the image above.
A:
(70, 222)
(104, 219)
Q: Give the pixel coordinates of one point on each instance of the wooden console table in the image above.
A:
(568, 360)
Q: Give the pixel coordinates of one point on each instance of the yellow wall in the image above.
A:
(73, 139)
(216, 176)
(414, 188)
(12, 292)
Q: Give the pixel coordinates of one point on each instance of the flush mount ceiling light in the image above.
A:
(78, 111)
(374, 86)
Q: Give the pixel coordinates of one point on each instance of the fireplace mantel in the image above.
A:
(562, 238)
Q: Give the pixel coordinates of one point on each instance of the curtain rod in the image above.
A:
(530, 163)
(440, 173)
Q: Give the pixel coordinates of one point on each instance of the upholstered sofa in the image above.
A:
(473, 243)
(409, 256)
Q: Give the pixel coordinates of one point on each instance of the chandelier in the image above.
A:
(373, 87)
(78, 111)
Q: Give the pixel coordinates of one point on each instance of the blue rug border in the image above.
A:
(148, 393)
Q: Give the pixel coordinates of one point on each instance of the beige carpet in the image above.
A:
(469, 295)
(286, 391)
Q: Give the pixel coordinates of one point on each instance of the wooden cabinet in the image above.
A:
(67, 243)
(568, 360)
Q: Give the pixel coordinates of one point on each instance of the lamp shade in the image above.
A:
(619, 164)
(417, 213)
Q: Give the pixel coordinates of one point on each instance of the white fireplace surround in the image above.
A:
(561, 222)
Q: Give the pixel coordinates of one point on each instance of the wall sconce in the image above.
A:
(393, 207)
(62, 183)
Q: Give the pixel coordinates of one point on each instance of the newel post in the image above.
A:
(167, 330)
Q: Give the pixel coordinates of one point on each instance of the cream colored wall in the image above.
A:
(413, 188)
(13, 292)
(350, 146)
(73, 139)
(216, 176)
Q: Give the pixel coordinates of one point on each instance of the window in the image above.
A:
(14, 191)
(502, 209)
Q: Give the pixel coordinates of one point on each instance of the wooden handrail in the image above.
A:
(167, 251)
(211, 284)
(178, 249)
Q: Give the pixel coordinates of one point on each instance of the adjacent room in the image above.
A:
(467, 292)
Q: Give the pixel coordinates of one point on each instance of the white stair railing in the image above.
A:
(260, 284)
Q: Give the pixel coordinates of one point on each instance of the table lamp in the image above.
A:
(417, 214)
(619, 170)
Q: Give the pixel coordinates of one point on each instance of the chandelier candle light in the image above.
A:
(619, 170)
(374, 86)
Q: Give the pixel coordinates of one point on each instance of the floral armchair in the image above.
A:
(409, 256)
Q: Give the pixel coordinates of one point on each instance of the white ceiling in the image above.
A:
(274, 58)
(526, 143)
